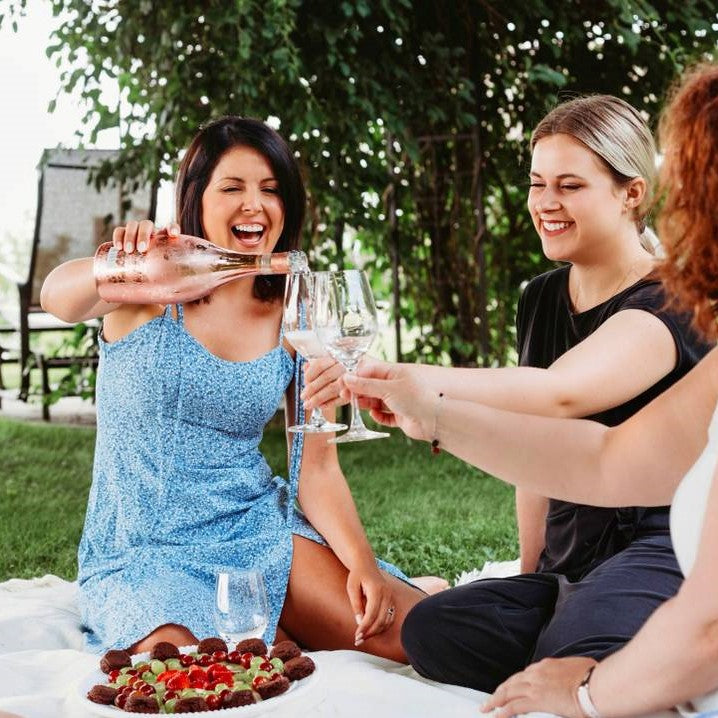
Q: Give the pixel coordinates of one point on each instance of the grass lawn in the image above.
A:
(426, 514)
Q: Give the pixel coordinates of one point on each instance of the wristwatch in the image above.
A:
(584, 697)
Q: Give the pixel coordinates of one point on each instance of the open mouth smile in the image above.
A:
(554, 228)
(250, 234)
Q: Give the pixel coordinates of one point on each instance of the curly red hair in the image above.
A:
(688, 222)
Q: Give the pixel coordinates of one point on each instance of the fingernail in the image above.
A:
(141, 246)
(357, 618)
(129, 248)
(358, 641)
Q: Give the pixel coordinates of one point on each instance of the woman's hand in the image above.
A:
(323, 384)
(137, 235)
(371, 600)
(394, 396)
(549, 686)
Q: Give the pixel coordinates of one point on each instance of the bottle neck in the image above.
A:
(237, 263)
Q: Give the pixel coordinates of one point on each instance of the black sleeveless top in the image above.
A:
(580, 537)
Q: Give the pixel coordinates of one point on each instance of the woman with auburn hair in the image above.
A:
(672, 442)
(594, 340)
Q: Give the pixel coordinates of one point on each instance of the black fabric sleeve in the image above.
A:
(651, 297)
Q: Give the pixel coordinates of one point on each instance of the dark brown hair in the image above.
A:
(688, 180)
(196, 168)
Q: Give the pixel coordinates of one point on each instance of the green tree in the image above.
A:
(411, 119)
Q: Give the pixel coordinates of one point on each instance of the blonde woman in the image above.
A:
(673, 657)
(595, 340)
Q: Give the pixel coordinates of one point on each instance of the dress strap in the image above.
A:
(180, 313)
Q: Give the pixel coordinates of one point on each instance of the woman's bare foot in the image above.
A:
(430, 584)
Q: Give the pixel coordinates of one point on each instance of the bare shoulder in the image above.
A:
(693, 399)
(709, 365)
(128, 317)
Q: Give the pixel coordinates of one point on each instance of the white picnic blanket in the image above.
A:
(41, 664)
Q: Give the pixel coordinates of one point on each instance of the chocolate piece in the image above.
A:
(139, 703)
(210, 645)
(114, 660)
(105, 695)
(272, 688)
(164, 650)
(235, 699)
(297, 668)
(285, 650)
(252, 645)
(195, 704)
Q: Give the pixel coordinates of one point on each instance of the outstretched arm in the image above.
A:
(626, 355)
(589, 378)
(636, 463)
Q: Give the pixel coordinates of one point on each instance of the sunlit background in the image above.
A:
(28, 82)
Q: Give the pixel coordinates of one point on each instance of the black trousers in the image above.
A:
(479, 634)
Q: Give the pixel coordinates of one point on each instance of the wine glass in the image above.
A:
(240, 605)
(345, 321)
(297, 322)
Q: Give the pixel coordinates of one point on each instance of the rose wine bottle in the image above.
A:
(180, 269)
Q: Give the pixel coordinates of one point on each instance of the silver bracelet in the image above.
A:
(584, 697)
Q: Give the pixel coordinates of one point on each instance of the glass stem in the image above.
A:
(317, 419)
(356, 424)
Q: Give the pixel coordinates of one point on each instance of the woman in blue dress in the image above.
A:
(180, 488)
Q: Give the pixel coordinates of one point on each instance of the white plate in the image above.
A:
(297, 690)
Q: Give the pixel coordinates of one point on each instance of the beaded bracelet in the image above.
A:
(435, 441)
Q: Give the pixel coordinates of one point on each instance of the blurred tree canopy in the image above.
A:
(410, 118)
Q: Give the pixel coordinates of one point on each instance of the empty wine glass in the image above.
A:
(297, 322)
(346, 322)
(240, 605)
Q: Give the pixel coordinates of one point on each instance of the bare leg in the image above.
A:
(317, 610)
(282, 635)
(172, 632)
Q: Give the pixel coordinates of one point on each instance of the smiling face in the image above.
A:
(241, 206)
(576, 206)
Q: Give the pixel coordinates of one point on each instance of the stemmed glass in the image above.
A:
(346, 322)
(240, 606)
(297, 322)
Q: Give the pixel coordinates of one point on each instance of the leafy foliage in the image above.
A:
(410, 118)
(79, 378)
